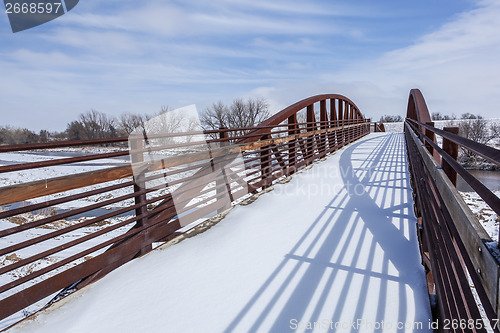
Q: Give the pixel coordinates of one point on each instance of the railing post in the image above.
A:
(332, 138)
(340, 135)
(292, 149)
(311, 126)
(137, 145)
(323, 125)
(265, 165)
(451, 149)
(221, 181)
(347, 120)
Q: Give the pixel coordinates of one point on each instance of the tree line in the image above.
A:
(435, 116)
(94, 124)
(471, 126)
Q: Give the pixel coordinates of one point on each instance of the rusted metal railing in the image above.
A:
(113, 218)
(462, 271)
(379, 127)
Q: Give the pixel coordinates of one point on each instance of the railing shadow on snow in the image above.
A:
(364, 238)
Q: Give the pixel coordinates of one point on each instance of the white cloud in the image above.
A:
(161, 53)
(456, 67)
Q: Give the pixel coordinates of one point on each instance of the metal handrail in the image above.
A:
(452, 242)
(490, 153)
(485, 193)
(268, 156)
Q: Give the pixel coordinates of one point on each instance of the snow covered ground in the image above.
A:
(486, 216)
(332, 248)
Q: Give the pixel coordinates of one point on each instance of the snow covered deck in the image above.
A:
(335, 249)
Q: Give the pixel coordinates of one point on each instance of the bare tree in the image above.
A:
(468, 115)
(476, 129)
(240, 114)
(215, 117)
(166, 122)
(15, 136)
(92, 125)
(391, 119)
(44, 136)
(438, 116)
(130, 121)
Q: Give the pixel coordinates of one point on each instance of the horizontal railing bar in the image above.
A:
(60, 248)
(58, 201)
(39, 188)
(91, 207)
(67, 214)
(233, 138)
(489, 197)
(60, 144)
(489, 153)
(41, 238)
(73, 143)
(59, 161)
(21, 192)
(93, 235)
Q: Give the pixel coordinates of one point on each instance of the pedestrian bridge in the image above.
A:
(286, 226)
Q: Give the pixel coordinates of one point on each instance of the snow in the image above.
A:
(486, 216)
(335, 244)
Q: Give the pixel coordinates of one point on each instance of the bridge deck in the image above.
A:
(334, 245)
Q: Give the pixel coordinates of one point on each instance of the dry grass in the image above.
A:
(19, 220)
(13, 257)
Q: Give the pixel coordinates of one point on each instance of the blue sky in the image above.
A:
(130, 56)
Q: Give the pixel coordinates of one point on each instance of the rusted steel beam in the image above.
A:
(333, 112)
(340, 122)
(332, 137)
(323, 125)
(281, 116)
(417, 108)
(265, 163)
(278, 156)
(222, 183)
(292, 131)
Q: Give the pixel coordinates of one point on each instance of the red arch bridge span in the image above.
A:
(352, 220)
